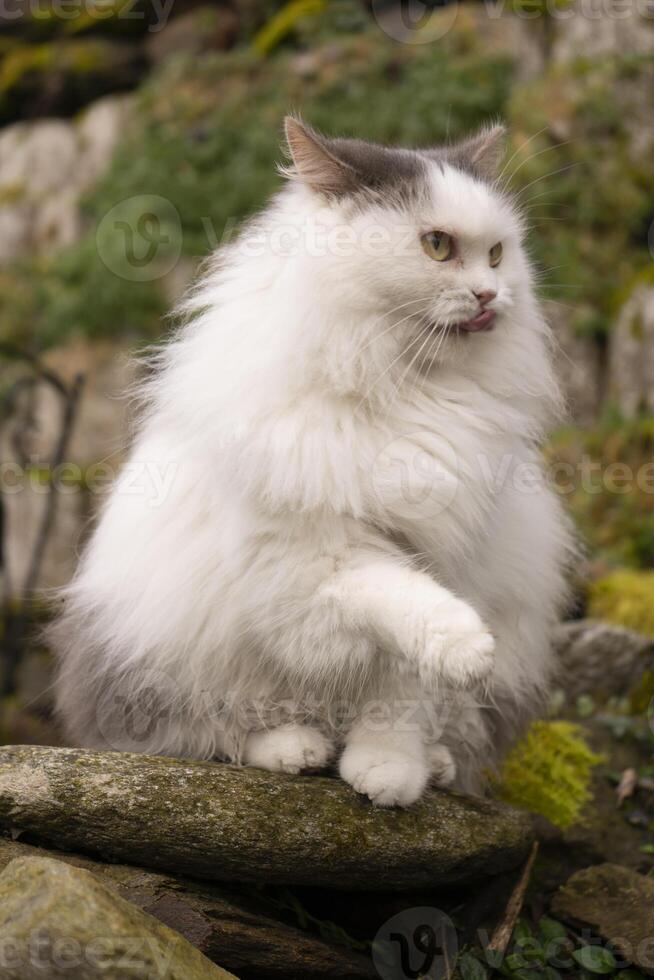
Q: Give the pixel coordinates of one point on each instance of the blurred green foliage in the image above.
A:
(625, 597)
(606, 477)
(590, 187)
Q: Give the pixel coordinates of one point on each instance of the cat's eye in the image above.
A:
(495, 255)
(438, 245)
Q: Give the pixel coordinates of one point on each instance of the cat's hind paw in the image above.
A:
(387, 778)
(289, 748)
(441, 765)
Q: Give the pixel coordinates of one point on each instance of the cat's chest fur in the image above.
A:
(449, 481)
(444, 470)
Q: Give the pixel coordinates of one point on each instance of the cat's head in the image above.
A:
(435, 243)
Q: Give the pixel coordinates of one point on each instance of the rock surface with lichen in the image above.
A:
(59, 921)
(227, 823)
(601, 657)
(616, 901)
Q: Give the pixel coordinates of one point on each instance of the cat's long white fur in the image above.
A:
(291, 596)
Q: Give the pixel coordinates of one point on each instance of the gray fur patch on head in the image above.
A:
(480, 155)
(349, 167)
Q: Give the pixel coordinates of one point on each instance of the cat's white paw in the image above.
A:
(388, 778)
(457, 648)
(289, 748)
(441, 764)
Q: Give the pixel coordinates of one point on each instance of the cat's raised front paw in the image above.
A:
(289, 748)
(388, 778)
(458, 648)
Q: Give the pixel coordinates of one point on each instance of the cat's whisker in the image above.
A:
(378, 336)
(559, 302)
(389, 367)
(537, 197)
(434, 352)
(547, 204)
(424, 326)
(552, 173)
(516, 152)
(431, 353)
(551, 268)
(533, 156)
(541, 219)
(426, 332)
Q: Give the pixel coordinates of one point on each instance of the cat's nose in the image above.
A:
(486, 296)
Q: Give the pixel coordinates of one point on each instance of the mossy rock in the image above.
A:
(229, 823)
(84, 929)
(618, 903)
(605, 661)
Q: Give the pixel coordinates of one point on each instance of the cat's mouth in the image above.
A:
(484, 320)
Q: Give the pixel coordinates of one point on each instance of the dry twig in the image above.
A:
(502, 935)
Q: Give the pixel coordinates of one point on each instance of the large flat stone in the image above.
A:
(229, 823)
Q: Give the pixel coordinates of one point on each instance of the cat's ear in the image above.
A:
(482, 153)
(315, 162)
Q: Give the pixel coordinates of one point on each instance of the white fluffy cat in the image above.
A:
(356, 555)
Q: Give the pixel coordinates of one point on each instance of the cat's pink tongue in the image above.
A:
(483, 321)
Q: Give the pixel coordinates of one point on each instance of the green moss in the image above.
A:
(626, 598)
(549, 772)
